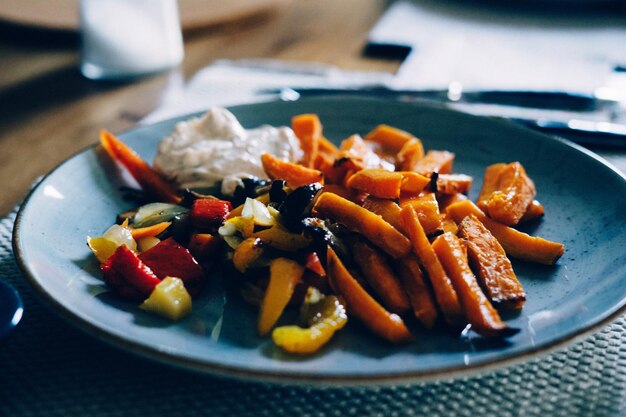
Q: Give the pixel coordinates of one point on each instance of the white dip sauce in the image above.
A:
(215, 147)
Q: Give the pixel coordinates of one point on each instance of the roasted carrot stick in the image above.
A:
(427, 209)
(360, 304)
(148, 231)
(491, 180)
(515, 243)
(484, 319)
(294, 174)
(493, 268)
(391, 139)
(145, 175)
(380, 277)
(363, 221)
(445, 294)
(420, 296)
(435, 161)
(408, 157)
(308, 129)
(377, 182)
(389, 210)
(514, 194)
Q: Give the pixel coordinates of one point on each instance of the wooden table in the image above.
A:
(48, 111)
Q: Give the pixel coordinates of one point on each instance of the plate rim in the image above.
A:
(285, 377)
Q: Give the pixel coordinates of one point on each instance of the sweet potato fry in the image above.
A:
(484, 319)
(435, 161)
(515, 192)
(327, 147)
(534, 211)
(445, 294)
(380, 277)
(446, 199)
(294, 174)
(308, 129)
(453, 183)
(515, 243)
(146, 176)
(408, 157)
(390, 139)
(363, 221)
(377, 182)
(427, 209)
(387, 184)
(491, 180)
(493, 269)
(389, 210)
(420, 296)
(360, 304)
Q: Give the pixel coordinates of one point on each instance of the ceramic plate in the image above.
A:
(582, 195)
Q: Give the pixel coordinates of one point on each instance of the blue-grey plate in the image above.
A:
(585, 210)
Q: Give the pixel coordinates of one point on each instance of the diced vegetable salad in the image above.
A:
(377, 230)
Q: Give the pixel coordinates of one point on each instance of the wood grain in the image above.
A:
(48, 111)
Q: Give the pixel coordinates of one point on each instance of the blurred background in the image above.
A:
(49, 109)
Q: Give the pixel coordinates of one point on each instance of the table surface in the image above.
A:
(48, 111)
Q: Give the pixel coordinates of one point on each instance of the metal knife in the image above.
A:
(585, 132)
(552, 100)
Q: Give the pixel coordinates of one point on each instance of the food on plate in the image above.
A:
(374, 229)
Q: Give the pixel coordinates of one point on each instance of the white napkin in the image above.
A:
(484, 48)
(225, 83)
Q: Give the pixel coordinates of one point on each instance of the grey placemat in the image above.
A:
(48, 368)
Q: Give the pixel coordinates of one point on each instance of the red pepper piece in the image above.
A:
(209, 213)
(313, 263)
(168, 258)
(128, 275)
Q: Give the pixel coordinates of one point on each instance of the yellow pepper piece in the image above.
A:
(169, 299)
(284, 275)
(248, 254)
(280, 238)
(102, 247)
(330, 317)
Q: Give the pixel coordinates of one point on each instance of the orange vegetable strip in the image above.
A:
(377, 182)
(294, 174)
(420, 297)
(284, 275)
(534, 211)
(453, 183)
(390, 138)
(308, 129)
(484, 319)
(381, 277)
(427, 209)
(146, 176)
(363, 221)
(445, 293)
(515, 193)
(448, 224)
(435, 161)
(493, 268)
(491, 179)
(412, 182)
(515, 243)
(389, 210)
(147, 231)
(410, 154)
(352, 195)
(327, 147)
(446, 199)
(360, 304)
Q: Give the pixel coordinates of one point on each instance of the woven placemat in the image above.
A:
(48, 368)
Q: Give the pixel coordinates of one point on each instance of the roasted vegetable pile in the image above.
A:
(376, 229)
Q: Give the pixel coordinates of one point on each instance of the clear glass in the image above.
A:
(123, 39)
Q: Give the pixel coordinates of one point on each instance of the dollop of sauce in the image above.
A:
(215, 147)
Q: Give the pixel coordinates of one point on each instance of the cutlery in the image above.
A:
(552, 100)
(585, 132)
(11, 308)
